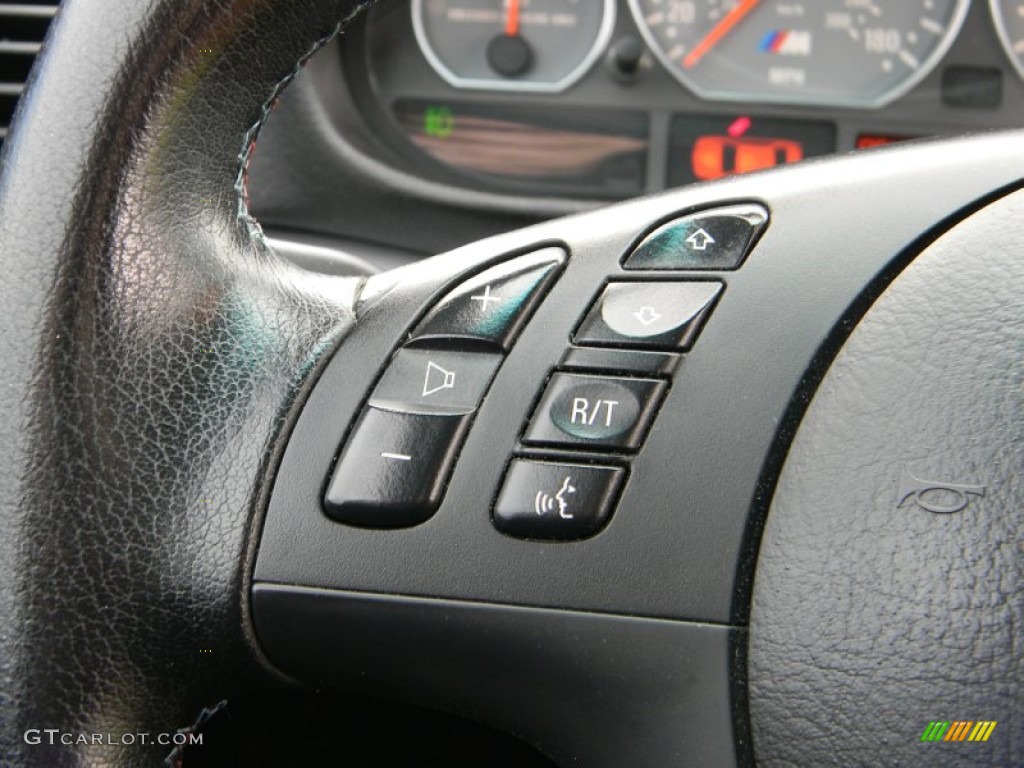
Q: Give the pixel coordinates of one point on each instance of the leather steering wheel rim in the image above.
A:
(146, 326)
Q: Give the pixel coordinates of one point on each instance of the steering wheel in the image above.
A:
(812, 555)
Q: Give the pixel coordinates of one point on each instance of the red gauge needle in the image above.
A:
(720, 30)
(512, 18)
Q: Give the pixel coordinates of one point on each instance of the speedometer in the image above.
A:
(856, 53)
(1009, 19)
(512, 45)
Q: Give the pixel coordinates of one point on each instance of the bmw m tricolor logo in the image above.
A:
(958, 730)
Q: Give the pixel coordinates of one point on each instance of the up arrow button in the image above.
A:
(715, 239)
(700, 240)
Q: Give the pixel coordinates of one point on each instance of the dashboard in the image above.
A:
(471, 117)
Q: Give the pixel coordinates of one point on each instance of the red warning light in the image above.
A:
(738, 127)
(869, 140)
(718, 156)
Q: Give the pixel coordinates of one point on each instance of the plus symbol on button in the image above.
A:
(486, 298)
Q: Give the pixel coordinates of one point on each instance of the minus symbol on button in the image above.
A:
(396, 456)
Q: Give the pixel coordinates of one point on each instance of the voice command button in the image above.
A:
(549, 500)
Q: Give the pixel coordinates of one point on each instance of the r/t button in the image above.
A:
(595, 411)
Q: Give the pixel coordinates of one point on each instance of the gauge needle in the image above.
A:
(720, 30)
(512, 18)
(509, 54)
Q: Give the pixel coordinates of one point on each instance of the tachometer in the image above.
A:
(1009, 19)
(857, 53)
(512, 45)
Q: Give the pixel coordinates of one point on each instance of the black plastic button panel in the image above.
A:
(648, 314)
(560, 501)
(399, 457)
(494, 305)
(634, 361)
(718, 239)
(595, 412)
(612, 379)
(602, 400)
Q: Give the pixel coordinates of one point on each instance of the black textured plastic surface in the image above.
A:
(872, 614)
(606, 360)
(587, 690)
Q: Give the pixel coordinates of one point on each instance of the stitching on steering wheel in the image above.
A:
(249, 141)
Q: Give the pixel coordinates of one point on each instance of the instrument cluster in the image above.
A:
(612, 98)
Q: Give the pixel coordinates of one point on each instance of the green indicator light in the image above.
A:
(438, 122)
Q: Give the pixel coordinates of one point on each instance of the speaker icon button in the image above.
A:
(435, 381)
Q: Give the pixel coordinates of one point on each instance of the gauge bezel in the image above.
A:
(956, 23)
(604, 36)
(1003, 33)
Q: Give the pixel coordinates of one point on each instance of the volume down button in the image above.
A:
(394, 468)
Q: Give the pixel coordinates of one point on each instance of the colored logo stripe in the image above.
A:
(958, 730)
(772, 41)
(982, 730)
